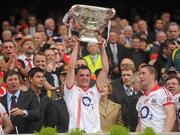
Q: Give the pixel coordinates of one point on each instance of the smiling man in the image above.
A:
(155, 107)
(83, 101)
(22, 107)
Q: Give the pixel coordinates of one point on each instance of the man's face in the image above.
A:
(13, 83)
(93, 49)
(161, 37)
(50, 56)
(126, 76)
(38, 37)
(172, 85)
(32, 21)
(37, 80)
(173, 32)
(8, 49)
(145, 76)
(136, 43)
(83, 78)
(113, 37)
(29, 47)
(40, 61)
(159, 24)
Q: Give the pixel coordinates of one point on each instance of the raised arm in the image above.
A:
(102, 77)
(71, 65)
(171, 117)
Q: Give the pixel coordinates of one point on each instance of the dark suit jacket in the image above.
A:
(128, 103)
(28, 101)
(48, 113)
(122, 53)
(63, 115)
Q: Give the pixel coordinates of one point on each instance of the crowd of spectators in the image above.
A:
(34, 55)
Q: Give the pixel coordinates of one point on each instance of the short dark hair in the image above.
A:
(151, 69)
(82, 68)
(38, 54)
(34, 70)
(12, 41)
(172, 77)
(10, 73)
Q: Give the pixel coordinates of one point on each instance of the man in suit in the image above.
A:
(115, 53)
(48, 110)
(124, 94)
(22, 107)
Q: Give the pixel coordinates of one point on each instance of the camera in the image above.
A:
(58, 39)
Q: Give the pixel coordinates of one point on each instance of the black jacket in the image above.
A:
(28, 101)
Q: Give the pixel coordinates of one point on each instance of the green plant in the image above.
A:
(76, 131)
(47, 131)
(119, 130)
(147, 131)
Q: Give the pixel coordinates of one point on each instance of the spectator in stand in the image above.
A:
(128, 33)
(50, 27)
(9, 57)
(163, 76)
(173, 85)
(162, 59)
(174, 59)
(93, 59)
(28, 47)
(136, 54)
(166, 18)
(22, 107)
(158, 26)
(52, 66)
(40, 60)
(48, 110)
(39, 38)
(62, 30)
(124, 94)
(63, 115)
(40, 27)
(110, 112)
(157, 46)
(32, 22)
(115, 53)
(6, 35)
(173, 33)
(24, 29)
(143, 28)
(155, 107)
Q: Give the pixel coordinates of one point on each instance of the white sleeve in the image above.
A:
(166, 96)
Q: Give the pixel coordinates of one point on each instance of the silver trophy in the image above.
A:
(88, 21)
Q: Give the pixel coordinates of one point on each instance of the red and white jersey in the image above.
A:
(150, 107)
(177, 104)
(83, 108)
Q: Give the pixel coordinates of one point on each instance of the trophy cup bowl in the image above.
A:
(89, 21)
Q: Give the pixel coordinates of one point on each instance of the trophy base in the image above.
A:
(88, 39)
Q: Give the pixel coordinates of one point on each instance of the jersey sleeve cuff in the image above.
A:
(169, 103)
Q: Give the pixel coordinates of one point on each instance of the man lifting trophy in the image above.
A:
(88, 21)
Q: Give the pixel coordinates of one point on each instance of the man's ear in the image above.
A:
(30, 79)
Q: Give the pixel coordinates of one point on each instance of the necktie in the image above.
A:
(13, 101)
(128, 92)
(114, 49)
(29, 62)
